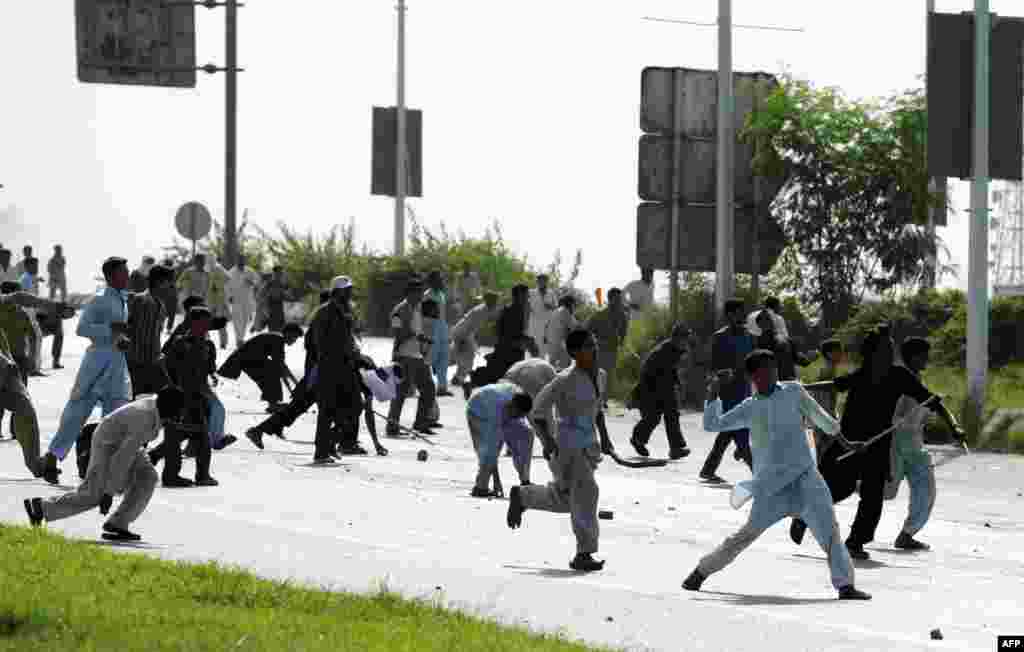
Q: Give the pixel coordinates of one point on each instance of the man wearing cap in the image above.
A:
(191, 360)
(543, 304)
(407, 327)
(103, 375)
(463, 336)
(338, 360)
(655, 394)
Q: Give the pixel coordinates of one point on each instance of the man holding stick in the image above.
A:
(786, 479)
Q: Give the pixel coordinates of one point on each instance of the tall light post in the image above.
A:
(400, 151)
(231, 133)
(725, 216)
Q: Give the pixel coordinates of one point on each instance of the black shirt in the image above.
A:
(263, 347)
(511, 326)
(870, 406)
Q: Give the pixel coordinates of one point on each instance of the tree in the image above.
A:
(857, 197)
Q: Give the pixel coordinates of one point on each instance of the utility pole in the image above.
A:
(725, 222)
(977, 266)
(935, 184)
(230, 133)
(400, 151)
(677, 163)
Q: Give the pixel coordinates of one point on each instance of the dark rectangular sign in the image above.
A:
(385, 137)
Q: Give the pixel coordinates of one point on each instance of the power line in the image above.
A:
(698, 24)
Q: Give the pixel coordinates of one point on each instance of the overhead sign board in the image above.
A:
(385, 138)
(139, 42)
(697, 239)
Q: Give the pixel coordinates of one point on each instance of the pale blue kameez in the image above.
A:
(103, 375)
(786, 479)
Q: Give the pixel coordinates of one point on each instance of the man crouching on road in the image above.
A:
(117, 464)
(573, 454)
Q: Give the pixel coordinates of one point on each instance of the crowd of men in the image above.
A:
(547, 379)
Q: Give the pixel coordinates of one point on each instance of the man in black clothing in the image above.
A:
(730, 346)
(262, 358)
(146, 317)
(191, 360)
(873, 392)
(513, 340)
(303, 397)
(338, 387)
(655, 394)
(51, 325)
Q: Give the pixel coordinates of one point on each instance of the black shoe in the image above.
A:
(514, 518)
(326, 460)
(678, 453)
(224, 442)
(906, 542)
(850, 593)
(796, 531)
(256, 437)
(37, 374)
(208, 481)
(352, 449)
(586, 563)
(477, 492)
(114, 533)
(694, 580)
(857, 552)
(34, 509)
(444, 393)
(50, 472)
(425, 429)
(177, 482)
(467, 391)
(57, 365)
(639, 447)
(711, 478)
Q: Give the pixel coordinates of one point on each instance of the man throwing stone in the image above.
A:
(117, 465)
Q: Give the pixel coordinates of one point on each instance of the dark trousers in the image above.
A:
(339, 404)
(170, 448)
(147, 377)
(416, 374)
(498, 364)
(714, 459)
(302, 399)
(267, 378)
(871, 468)
(656, 409)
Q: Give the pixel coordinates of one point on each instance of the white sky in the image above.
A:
(530, 116)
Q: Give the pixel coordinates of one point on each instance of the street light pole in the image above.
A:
(725, 222)
(230, 133)
(977, 265)
(400, 153)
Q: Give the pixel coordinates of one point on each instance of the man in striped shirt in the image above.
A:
(146, 316)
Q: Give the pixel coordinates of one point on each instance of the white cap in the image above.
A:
(341, 282)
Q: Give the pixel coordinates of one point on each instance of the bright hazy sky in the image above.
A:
(530, 116)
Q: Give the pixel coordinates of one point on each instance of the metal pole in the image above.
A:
(230, 132)
(977, 267)
(755, 229)
(725, 218)
(677, 164)
(934, 184)
(400, 172)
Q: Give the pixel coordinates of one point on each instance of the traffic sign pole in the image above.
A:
(677, 164)
(230, 133)
(977, 266)
(725, 216)
(400, 163)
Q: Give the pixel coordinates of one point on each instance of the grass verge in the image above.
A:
(59, 594)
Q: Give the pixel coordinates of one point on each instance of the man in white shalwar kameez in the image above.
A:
(463, 336)
(243, 284)
(118, 464)
(561, 324)
(543, 304)
(786, 478)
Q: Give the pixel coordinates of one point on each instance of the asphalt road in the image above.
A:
(412, 527)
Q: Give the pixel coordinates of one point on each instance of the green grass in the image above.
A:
(1005, 390)
(58, 594)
